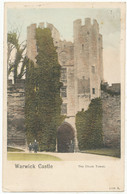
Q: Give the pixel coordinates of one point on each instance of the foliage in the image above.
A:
(89, 126)
(43, 101)
(114, 152)
(10, 149)
(109, 91)
(31, 157)
(16, 59)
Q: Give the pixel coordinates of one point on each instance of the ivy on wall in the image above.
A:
(89, 126)
(43, 101)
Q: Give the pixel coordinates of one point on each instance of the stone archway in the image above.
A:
(65, 138)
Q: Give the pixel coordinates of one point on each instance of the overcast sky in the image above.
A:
(62, 19)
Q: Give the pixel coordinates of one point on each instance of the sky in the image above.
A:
(62, 19)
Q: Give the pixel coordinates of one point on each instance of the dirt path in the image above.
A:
(76, 156)
(79, 156)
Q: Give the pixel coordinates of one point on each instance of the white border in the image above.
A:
(1, 87)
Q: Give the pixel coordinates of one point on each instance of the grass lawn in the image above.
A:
(105, 151)
(31, 157)
(9, 149)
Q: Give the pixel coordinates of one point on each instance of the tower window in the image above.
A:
(82, 46)
(64, 91)
(93, 69)
(64, 75)
(93, 90)
(64, 109)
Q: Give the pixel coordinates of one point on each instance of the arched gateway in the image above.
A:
(65, 138)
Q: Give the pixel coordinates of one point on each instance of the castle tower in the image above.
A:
(81, 65)
(87, 62)
(31, 43)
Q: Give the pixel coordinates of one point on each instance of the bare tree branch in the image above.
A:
(16, 62)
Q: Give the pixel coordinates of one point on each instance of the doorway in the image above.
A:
(65, 138)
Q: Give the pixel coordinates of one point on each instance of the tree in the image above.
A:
(89, 126)
(43, 101)
(16, 59)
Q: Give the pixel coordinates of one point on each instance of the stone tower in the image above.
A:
(81, 65)
(81, 73)
(88, 62)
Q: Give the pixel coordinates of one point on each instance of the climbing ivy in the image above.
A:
(89, 126)
(43, 101)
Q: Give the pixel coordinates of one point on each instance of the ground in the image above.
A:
(103, 153)
(52, 156)
(31, 157)
(80, 156)
(115, 152)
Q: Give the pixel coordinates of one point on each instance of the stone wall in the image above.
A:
(16, 126)
(15, 114)
(111, 119)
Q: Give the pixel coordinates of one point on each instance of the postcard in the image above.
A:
(64, 97)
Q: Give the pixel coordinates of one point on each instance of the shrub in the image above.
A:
(89, 126)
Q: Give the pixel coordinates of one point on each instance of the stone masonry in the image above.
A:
(16, 115)
(81, 64)
(81, 73)
(111, 117)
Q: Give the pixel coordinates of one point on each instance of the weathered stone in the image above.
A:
(81, 73)
(16, 117)
(111, 119)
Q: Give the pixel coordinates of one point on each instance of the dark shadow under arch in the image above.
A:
(65, 138)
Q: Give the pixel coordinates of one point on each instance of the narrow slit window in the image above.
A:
(93, 90)
(64, 75)
(64, 91)
(93, 69)
(64, 109)
(83, 47)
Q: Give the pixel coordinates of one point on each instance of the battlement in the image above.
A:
(87, 27)
(113, 89)
(31, 29)
(78, 22)
(87, 22)
(41, 25)
(51, 27)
